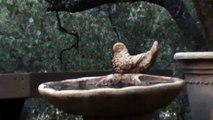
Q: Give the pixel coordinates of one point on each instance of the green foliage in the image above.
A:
(31, 42)
(41, 117)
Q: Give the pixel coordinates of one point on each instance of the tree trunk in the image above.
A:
(186, 23)
(205, 12)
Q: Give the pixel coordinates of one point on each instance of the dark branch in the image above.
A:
(73, 33)
(64, 30)
(113, 26)
(81, 5)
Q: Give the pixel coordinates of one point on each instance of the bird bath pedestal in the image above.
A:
(114, 96)
(198, 70)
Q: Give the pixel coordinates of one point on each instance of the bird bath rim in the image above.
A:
(193, 55)
(175, 81)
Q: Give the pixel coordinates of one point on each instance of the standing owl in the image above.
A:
(123, 62)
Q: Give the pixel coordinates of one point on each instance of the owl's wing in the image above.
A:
(126, 63)
(136, 59)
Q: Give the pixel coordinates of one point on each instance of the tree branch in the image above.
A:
(73, 33)
(176, 8)
(81, 5)
(113, 26)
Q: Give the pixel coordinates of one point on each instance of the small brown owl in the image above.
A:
(123, 62)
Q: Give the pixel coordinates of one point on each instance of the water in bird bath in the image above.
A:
(108, 81)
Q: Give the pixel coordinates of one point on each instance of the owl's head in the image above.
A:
(118, 47)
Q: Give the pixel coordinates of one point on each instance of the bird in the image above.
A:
(123, 62)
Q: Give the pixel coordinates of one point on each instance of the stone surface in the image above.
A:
(193, 55)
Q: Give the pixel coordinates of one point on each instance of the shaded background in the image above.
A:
(30, 41)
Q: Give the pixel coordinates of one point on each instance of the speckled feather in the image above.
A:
(123, 62)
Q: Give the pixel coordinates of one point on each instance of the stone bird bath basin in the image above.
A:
(114, 96)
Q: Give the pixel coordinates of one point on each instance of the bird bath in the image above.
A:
(125, 95)
(119, 97)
